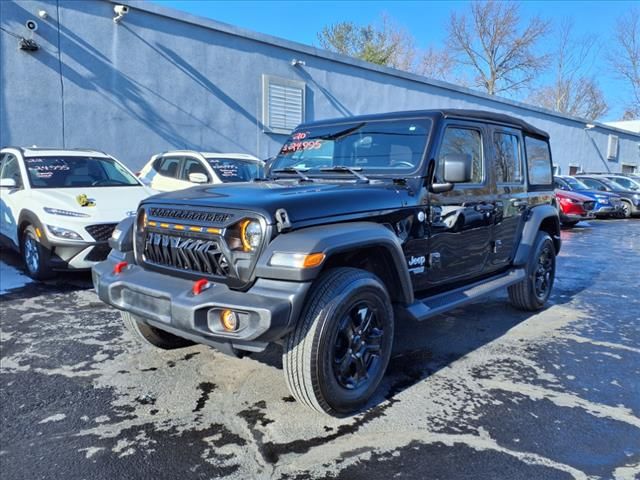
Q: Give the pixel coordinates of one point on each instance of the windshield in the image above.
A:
(385, 147)
(77, 172)
(235, 170)
(575, 184)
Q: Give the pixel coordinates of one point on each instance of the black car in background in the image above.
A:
(630, 198)
(626, 182)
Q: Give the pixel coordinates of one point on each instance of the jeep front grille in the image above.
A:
(191, 215)
(191, 254)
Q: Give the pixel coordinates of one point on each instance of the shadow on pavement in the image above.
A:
(62, 282)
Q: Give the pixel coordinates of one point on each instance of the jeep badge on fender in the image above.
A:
(362, 223)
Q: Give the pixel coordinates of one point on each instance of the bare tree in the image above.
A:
(624, 58)
(438, 64)
(384, 43)
(493, 44)
(573, 90)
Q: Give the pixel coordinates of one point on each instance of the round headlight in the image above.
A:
(251, 235)
(142, 220)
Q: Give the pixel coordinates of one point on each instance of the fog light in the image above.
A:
(229, 320)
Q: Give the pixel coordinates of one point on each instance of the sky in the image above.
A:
(300, 21)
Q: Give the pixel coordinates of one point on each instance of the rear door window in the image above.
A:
(538, 161)
(168, 166)
(508, 161)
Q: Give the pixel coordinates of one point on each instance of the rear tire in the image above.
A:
(152, 336)
(35, 255)
(339, 350)
(533, 292)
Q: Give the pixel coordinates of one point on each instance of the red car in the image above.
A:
(574, 207)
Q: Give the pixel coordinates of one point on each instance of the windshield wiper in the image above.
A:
(342, 168)
(341, 133)
(297, 171)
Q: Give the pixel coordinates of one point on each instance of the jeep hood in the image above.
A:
(302, 201)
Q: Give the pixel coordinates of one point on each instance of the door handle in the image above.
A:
(520, 203)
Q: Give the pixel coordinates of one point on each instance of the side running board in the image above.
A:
(428, 307)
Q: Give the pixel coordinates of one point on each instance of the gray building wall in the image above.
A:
(163, 80)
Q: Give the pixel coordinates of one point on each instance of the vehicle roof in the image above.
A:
(68, 152)
(491, 117)
(238, 156)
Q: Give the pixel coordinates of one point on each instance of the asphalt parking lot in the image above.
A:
(483, 392)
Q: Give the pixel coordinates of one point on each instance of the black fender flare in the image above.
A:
(540, 216)
(331, 240)
(29, 217)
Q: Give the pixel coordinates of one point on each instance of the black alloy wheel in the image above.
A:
(544, 271)
(357, 347)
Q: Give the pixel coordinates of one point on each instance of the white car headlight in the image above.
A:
(63, 233)
(116, 234)
(64, 213)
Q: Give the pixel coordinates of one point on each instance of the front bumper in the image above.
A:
(575, 217)
(77, 256)
(610, 209)
(268, 309)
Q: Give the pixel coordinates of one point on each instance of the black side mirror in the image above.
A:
(457, 168)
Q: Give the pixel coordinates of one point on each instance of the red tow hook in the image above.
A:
(119, 267)
(199, 286)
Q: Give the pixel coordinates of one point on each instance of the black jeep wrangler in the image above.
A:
(362, 222)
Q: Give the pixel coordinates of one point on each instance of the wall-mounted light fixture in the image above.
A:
(120, 11)
(297, 63)
(43, 14)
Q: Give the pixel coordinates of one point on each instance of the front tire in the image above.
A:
(151, 336)
(533, 292)
(35, 255)
(336, 356)
(626, 210)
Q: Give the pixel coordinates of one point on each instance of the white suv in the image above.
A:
(58, 208)
(180, 169)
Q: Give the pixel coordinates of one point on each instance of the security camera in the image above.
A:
(31, 25)
(120, 11)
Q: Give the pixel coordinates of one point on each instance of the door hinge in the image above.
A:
(434, 260)
(282, 220)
